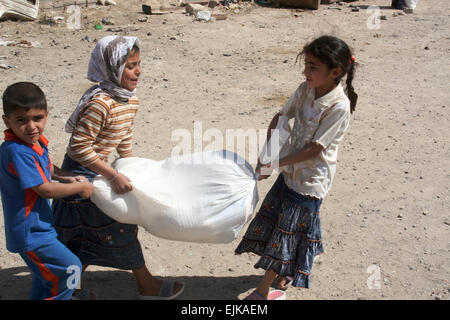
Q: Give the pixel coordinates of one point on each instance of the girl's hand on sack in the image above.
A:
(121, 183)
(87, 189)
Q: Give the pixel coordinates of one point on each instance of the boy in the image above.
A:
(26, 185)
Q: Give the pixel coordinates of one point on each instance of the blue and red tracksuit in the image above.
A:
(28, 218)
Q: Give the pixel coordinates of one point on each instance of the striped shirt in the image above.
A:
(105, 125)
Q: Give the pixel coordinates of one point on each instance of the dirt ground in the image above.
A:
(386, 220)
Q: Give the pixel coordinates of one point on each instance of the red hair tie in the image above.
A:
(352, 59)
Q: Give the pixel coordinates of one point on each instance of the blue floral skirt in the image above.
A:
(285, 233)
(90, 234)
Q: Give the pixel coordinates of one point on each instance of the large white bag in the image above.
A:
(201, 197)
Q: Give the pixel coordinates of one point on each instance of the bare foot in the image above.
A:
(282, 283)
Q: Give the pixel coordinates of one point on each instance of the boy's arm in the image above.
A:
(119, 182)
(65, 176)
(61, 190)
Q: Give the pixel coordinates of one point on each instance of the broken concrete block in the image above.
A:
(192, 9)
(19, 9)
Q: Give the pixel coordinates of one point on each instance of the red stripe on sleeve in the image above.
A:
(30, 199)
(40, 170)
(12, 170)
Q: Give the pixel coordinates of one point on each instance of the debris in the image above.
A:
(213, 3)
(219, 16)
(4, 43)
(6, 66)
(20, 43)
(19, 9)
(147, 9)
(144, 19)
(408, 10)
(99, 26)
(105, 21)
(106, 2)
(128, 28)
(307, 4)
(117, 29)
(355, 9)
(203, 15)
(57, 18)
(193, 8)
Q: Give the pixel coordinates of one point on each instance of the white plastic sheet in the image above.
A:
(203, 197)
(411, 3)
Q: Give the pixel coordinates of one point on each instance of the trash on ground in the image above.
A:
(106, 2)
(20, 43)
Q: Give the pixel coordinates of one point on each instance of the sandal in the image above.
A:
(286, 285)
(273, 295)
(166, 292)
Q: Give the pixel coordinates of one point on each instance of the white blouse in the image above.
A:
(324, 121)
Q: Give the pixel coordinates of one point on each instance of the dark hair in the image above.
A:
(335, 53)
(25, 95)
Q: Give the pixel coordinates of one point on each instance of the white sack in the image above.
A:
(202, 197)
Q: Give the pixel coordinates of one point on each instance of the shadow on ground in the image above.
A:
(15, 284)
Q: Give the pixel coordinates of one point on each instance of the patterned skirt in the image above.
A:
(90, 234)
(285, 233)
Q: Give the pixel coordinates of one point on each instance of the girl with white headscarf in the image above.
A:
(102, 123)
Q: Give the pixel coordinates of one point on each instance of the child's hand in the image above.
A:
(88, 189)
(75, 179)
(121, 184)
(80, 179)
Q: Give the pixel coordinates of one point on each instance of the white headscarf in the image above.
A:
(106, 67)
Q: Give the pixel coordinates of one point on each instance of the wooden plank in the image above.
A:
(307, 4)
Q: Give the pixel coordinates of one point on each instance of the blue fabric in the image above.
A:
(90, 234)
(56, 271)
(19, 171)
(286, 233)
